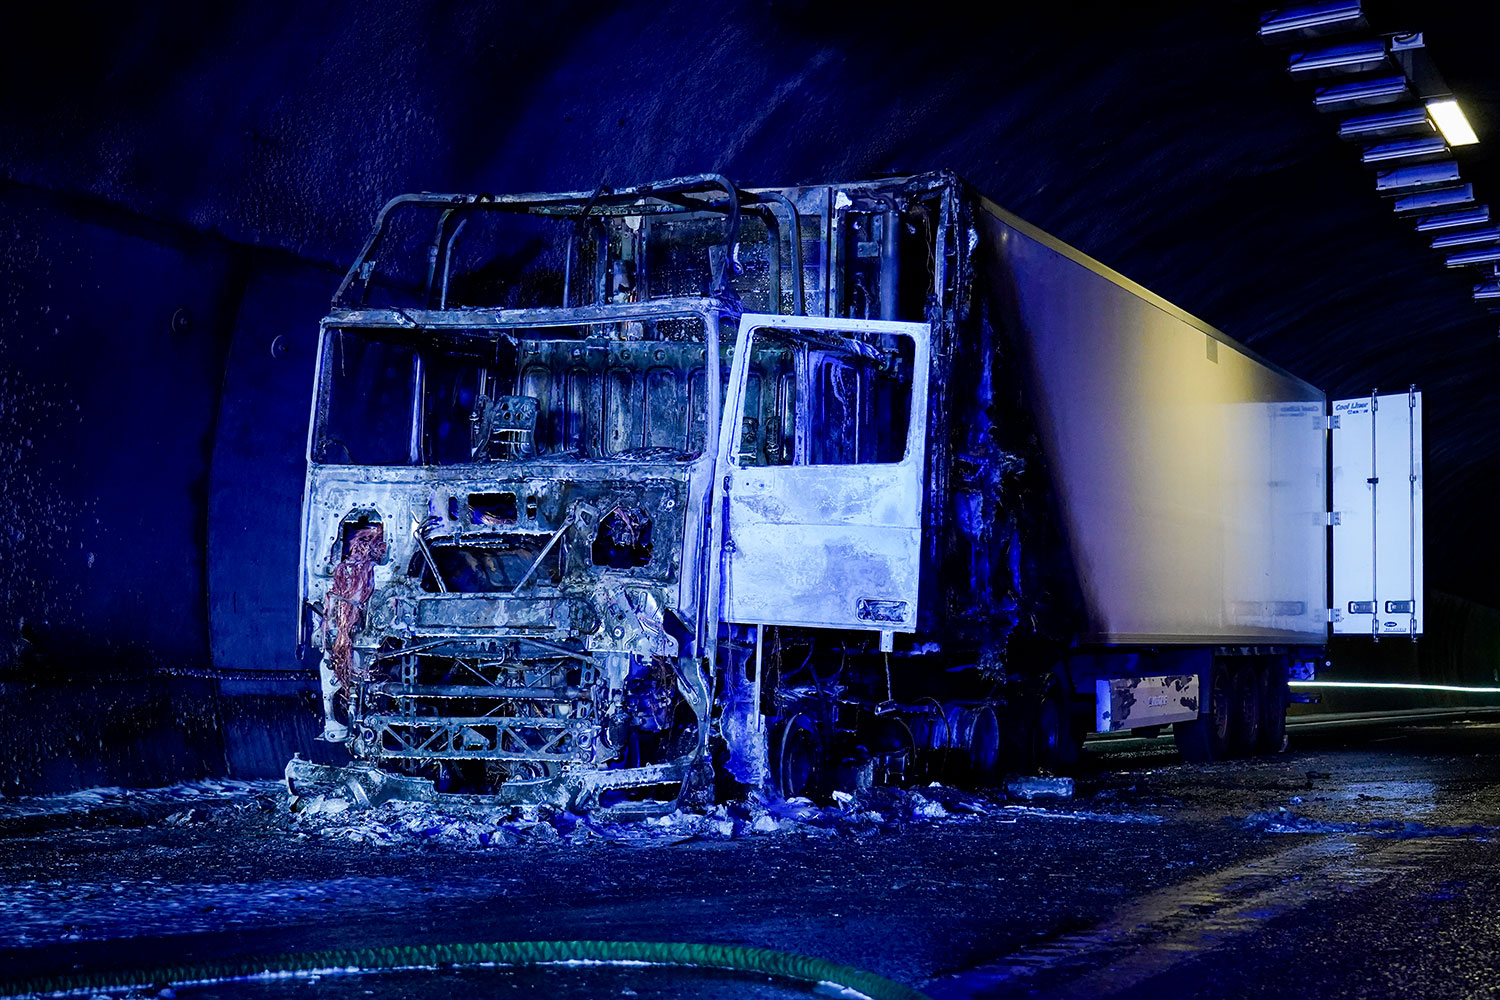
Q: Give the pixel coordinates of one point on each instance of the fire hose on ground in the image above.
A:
(718, 957)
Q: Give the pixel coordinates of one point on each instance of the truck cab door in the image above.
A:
(820, 472)
(1377, 515)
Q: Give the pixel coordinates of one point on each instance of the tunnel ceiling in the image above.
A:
(1163, 139)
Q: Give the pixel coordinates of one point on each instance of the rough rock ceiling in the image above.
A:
(1161, 138)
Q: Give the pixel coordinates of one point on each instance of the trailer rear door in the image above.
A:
(820, 472)
(1377, 515)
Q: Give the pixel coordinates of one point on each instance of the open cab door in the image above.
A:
(820, 472)
(1377, 515)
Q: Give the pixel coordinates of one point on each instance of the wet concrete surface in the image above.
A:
(1359, 863)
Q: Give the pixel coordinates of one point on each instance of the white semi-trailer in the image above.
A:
(950, 496)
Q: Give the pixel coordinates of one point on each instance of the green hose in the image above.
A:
(729, 958)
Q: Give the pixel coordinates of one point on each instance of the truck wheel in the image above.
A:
(984, 739)
(977, 739)
(797, 758)
(933, 738)
(1055, 745)
(1248, 707)
(1273, 701)
(1206, 738)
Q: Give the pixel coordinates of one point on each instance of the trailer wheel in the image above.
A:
(1274, 698)
(1054, 743)
(1248, 706)
(1206, 738)
(797, 758)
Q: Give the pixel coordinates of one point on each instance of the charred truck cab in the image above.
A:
(614, 497)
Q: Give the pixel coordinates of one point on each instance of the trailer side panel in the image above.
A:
(1189, 474)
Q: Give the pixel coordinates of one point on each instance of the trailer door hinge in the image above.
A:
(1335, 518)
(1335, 615)
(1332, 423)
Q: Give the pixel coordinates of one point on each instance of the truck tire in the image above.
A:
(1207, 738)
(1248, 704)
(977, 741)
(934, 740)
(797, 758)
(1045, 739)
(1056, 744)
(1274, 698)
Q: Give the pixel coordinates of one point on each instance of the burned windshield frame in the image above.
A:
(617, 391)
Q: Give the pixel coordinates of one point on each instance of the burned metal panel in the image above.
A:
(521, 678)
(1008, 590)
(823, 529)
(499, 606)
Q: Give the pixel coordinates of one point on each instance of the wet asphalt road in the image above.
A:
(1360, 863)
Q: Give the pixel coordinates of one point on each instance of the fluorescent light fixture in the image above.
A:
(1427, 201)
(1451, 220)
(1404, 149)
(1378, 90)
(1399, 179)
(1386, 123)
(1466, 237)
(1311, 20)
(1450, 120)
(1471, 257)
(1359, 57)
(1387, 686)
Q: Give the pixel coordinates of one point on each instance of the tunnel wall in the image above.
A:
(108, 419)
(1460, 646)
(149, 493)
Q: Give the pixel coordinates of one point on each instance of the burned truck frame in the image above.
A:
(616, 495)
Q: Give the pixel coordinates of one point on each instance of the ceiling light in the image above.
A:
(1359, 57)
(1426, 175)
(1467, 237)
(1378, 90)
(1450, 120)
(1311, 20)
(1451, 220)
(1425, 201)
(1470, 257)
(1404, 149)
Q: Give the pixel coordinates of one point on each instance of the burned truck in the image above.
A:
(621, 497)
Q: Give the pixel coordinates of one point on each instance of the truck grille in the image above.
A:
(480, 706)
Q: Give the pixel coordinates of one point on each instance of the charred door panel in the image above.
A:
(821, 477)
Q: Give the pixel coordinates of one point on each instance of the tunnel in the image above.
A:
(1049, 579)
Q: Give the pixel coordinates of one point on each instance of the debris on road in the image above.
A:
(1029, 788)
